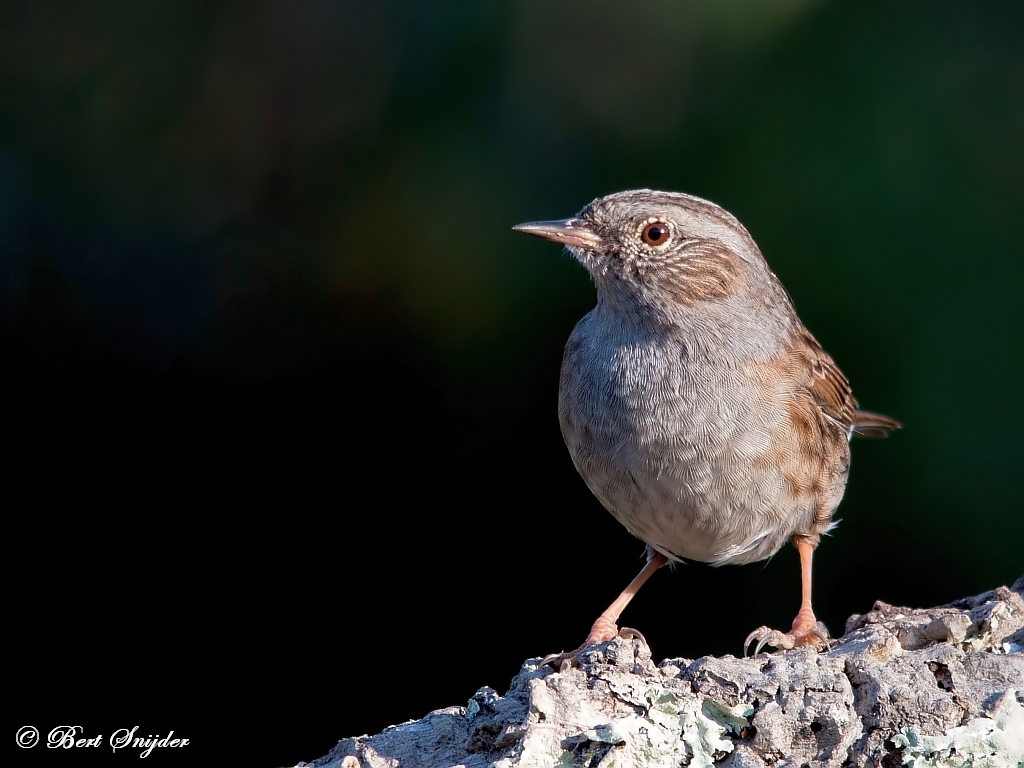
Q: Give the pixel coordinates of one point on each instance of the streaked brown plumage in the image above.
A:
(696, 406)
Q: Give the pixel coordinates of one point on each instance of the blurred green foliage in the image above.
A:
(247, 189)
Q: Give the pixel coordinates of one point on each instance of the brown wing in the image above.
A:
(831, 391)
(826, 383)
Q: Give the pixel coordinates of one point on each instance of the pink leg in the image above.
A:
(806, 630)
(606, 626)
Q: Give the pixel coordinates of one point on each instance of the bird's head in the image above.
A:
(663, 248)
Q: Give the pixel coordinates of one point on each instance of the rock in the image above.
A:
(936, 687)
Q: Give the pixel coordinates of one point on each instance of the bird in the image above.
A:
(695, 404)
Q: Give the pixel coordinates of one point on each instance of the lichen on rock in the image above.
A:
(984, 742)
(938, 687)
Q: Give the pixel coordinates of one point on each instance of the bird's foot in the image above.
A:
(807, 630)
(602, 631)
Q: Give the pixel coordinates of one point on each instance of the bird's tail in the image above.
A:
(867, 424)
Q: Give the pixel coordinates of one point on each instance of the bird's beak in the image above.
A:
(572, 232)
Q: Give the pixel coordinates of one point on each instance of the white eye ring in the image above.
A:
(655, 232)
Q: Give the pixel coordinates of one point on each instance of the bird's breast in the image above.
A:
(676, 444)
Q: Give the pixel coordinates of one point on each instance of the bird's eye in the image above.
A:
(655, 233)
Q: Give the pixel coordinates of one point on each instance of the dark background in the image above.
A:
(280, 382)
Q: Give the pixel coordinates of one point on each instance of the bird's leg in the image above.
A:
(806, 630)
(606, 627)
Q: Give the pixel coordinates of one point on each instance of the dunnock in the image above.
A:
(696, 406)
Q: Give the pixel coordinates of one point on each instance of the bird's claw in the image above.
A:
(628, 633)
(559, 660)
(563, 661)
(815, 635)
